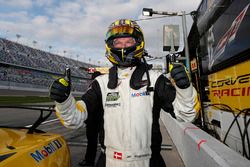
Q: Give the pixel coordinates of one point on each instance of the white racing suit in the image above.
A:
(131, 117)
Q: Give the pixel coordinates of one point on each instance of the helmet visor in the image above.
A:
(123, 42)
(119, 31)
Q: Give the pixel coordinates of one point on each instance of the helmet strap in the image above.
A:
(113, 77)
(136, 81)
(149, 88)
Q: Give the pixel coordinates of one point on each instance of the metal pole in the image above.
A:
(184, 27)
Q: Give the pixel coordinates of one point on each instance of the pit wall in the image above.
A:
(197, 148)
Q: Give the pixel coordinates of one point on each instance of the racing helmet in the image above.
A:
(124, 56)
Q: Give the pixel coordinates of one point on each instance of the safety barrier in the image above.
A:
(197, 148)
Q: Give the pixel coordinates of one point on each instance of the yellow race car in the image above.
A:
(28, 147)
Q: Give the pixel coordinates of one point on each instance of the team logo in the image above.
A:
(225, 40)
(112, 105)
(112, 96)
(47, 150)
(238, 86)
(138, 94)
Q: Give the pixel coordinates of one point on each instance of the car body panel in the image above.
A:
(19, 148)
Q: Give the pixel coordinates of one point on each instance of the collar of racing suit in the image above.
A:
(136, 81)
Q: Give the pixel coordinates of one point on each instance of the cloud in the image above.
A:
(67, 10)
(17, 4)
(21, 16)
(44, 3)
(80, 25)
(40, 20)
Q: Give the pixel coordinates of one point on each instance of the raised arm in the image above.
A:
(177, 95)
(72, 113)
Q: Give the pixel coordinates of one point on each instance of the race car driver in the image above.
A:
(131, 96)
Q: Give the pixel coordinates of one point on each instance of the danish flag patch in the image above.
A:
(117, 155)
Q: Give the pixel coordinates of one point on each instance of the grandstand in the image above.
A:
(26, 68)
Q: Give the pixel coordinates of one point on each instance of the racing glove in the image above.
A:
(179, 73)
(60, 88)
